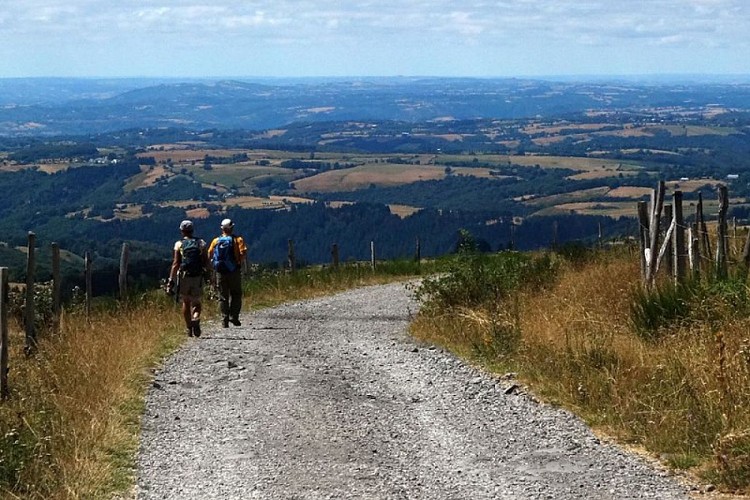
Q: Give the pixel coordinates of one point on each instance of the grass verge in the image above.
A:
(669, 371)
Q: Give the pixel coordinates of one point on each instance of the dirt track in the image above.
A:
(330, 398)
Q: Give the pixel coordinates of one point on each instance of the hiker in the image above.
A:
(189, 265)
(227, 254)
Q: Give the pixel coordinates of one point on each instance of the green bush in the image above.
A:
(473, 279)
(655, 312)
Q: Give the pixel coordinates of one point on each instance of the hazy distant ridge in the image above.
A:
(72, 106)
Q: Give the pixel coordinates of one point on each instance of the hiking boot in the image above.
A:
(196, 328)
(225, 322)
(190, 331)
(236, 321)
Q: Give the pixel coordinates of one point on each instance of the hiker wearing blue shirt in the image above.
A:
(228, 253)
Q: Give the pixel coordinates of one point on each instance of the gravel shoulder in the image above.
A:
(330, 398)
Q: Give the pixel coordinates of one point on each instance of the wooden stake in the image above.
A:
(669, 219)
(699, 217)
(87, 277)
(643, 232)
(721, 243)
(418, 251)
(56, 287)
(4, 390)
(29, 316)
(678, 238)
(335, 255)
(291, 258)
(372, 255)
(123, 277)
(694, 250)
(654, 223)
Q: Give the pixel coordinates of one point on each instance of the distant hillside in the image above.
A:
(69, 106)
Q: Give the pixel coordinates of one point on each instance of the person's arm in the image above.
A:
(206, 260)
(242, 251)
(176, 259)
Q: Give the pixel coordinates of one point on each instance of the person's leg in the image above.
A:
(187, 315)
(224, 295)
(196, 318)
(235, 292)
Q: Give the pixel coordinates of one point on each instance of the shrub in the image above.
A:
(656, 312)
(474, 279)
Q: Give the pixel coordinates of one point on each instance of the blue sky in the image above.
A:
(477, 38)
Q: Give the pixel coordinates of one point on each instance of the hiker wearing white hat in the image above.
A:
(228, 253)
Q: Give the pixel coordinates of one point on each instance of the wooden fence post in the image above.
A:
(372, 254)
(87, 277)
(29, 316)
(291, 258)
(418, 251)
(678, 238)
(721, 243)
(746, 250)
(123, 276)
(694, 251)
(4, 391)
(704, 239)
(554, 235)
(657, 206)
(669, 216)
(55, 287)
(643, 232)
(599, 235)
(335, 255)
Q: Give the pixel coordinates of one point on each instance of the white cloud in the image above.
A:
(409, 29)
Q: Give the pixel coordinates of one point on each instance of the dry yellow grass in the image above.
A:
(682, 398)
(77, 403)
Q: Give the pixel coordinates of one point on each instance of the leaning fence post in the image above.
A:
(87, 277)
(656, 209)
(669, 218)
(372, 255)
(4, 391)
(678, 238)
(123, 277)
(30, 344)
(55, 287)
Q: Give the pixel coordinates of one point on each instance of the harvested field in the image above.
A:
(631, 192)
(691, 185)
(403, 211)
(380, 174)
(609, 209)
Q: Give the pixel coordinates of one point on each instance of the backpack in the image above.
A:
(223, 258)
(191, 262)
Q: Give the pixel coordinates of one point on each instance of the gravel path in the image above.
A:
(330, 398)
